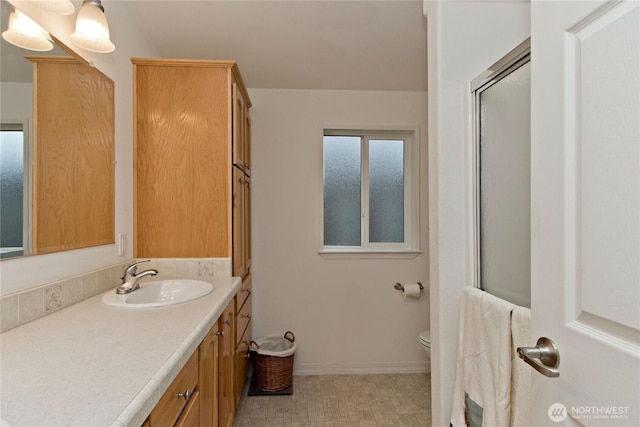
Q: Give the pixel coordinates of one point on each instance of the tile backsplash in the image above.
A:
(26, 305)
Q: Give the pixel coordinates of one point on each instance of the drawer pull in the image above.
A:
(187, 395)
(248, 290)
(227, 322)
(248, 316)
(220, 333)
(247, 356)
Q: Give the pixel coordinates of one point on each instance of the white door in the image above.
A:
(585, 212)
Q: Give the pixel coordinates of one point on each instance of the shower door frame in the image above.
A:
(516, 58)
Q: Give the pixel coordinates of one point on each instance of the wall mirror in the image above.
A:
(57, 151)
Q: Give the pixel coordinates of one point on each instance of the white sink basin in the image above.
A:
(160, 293)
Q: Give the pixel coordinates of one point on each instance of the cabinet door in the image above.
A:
(241, 363)
(226, 401)
(242, 295)
(241, 223)
(181, 165)
(246, 224)
(241, 133)
(208, 377)
(73, 154)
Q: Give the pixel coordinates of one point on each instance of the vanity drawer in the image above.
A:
(243, 292)
(243, 317)
(170, 406)
(191, 415)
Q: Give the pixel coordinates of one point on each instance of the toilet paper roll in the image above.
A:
(412, 291)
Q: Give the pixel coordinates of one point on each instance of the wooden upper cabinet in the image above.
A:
(183, 144)
(73, 155)
(241, 131)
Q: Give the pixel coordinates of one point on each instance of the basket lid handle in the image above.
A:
(293, 337)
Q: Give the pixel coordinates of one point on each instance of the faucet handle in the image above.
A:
(131, 270)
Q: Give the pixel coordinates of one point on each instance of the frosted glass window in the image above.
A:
(11, 187)
(504, 196)
(386, 191)
(342, 197)
(370, 204)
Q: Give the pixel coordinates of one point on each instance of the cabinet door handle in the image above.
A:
(187, 395)
(248, 316)
(220, 333)
(227, 322)
(248, 290)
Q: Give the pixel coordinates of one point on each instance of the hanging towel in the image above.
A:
(482, 387)
(521, 372)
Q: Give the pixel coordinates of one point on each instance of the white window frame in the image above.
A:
(411, 245)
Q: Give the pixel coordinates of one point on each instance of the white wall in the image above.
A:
(25, 272)
(15, 101)
(345, 314)
(464, 39)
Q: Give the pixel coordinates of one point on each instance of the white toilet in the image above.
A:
(425, 343)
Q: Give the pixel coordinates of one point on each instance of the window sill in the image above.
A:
(368, 254)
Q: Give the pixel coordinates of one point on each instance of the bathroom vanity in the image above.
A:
(99, 365)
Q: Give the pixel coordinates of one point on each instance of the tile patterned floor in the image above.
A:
(342, 401)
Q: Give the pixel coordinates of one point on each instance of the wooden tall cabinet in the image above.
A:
(191, 127)
(192, 197)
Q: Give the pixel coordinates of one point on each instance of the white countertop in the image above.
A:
(95, 365)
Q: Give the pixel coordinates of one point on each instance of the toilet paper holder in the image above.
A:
(398, 286)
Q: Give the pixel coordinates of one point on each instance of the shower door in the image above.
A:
(502, 107)
(585, 210)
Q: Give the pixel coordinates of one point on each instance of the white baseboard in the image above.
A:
(357, 369)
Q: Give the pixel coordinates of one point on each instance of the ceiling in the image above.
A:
(297, 44)
(290, 44)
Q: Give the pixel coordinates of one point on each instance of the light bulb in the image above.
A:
(92, 30)
(24, 32)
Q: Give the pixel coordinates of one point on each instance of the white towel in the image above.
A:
(521, 372)
(483, 369)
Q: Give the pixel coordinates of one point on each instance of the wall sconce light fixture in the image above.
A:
(24, 32)
(92, 30)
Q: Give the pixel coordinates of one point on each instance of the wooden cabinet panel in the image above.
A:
(241, 131)
(170, 406)
(243, 317)
(243, 292)
(73, 156)
(241, 363)
(226, 400)
(241, 200)
(208, 355)
(242, 183)
(182, 160)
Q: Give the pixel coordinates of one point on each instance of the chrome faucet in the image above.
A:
(131, 277)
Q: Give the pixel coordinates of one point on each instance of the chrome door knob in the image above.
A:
(544, 357)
